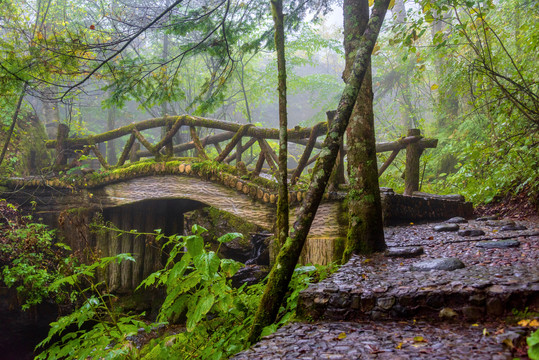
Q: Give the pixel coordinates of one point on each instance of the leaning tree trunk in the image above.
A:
(288, 256)
(282, 203)
(365, 227)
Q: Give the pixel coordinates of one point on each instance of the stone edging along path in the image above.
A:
(389, 299)
(492, 282)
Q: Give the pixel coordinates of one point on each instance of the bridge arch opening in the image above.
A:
(166, 214)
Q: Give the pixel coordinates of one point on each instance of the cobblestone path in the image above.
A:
(395, 312)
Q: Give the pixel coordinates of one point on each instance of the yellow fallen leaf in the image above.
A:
(419, 339)
(398, 347)
(485, 332)
(475, 324)
(434, 87)
(341, 336)
(529, 323)
(411, 223)
(508, 343)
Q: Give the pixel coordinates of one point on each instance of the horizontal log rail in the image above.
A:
(233, 133)
(187, 120)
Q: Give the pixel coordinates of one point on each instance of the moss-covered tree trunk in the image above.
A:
(111, 144)
(282, 203)
(288, 256)
(365, 229)
(13, 123)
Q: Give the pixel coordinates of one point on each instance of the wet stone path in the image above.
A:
(381, 340)
(385, 298)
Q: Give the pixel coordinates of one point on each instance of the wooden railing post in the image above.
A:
(411, 172)
(61, 149)
(238, 152)
(337, 177)
(133, 156)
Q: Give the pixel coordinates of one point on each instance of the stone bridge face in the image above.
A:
(205, 192)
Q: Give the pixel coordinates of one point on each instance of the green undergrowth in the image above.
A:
(216, 316)
(31, 258)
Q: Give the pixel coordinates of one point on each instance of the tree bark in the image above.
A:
(448, 103)
(111, 125)
(365, 228)
(282, 202)
(288, 256)
(13, 123)
(411, 172)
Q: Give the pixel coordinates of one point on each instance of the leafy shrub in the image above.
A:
(198, 292)
(96, 329)
(533, 345)
(30, 258)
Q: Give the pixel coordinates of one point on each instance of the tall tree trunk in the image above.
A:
(288, 256)
(407, 111)
(282, 203)
(164, 111)
(448, 102)
(111, 125)
(365, 228)
(13, 123)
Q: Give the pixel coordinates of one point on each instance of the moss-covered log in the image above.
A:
(305, 156)
(241, 150)
(230, 146)
(126, 150)
(198, 144)
(402, 143)
(187, 120)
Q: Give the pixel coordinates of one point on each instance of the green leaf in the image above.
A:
(195, 245)
(268, 330)
(229, 237)
(207, 264)
(533, 345)
(199, 306)
(197, 229)
(229, 267)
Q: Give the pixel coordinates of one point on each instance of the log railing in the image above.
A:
(232, 133)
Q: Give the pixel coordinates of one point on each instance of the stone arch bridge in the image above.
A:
(155, 193)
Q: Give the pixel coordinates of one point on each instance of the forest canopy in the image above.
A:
(464, 71)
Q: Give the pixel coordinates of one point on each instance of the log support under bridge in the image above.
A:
(166, 215)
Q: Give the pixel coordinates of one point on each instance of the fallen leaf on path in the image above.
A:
(419, 339)
(529, 323)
